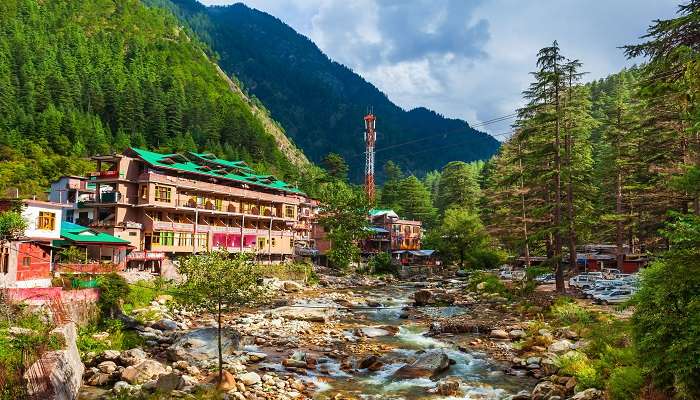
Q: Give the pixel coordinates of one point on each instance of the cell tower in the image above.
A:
(370, 139)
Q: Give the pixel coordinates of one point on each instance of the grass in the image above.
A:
(142, 293)
(567, 312)
(297, 271)
(491, 283)
(118, 339)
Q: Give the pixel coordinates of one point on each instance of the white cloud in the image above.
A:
(465, 59)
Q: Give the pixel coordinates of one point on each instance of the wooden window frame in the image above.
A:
(46, 221)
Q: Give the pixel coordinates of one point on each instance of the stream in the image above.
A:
(481, 377)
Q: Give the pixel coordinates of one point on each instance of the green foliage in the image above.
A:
(414, 201)
(344, 218)
(117, 339)
(73, 254)
(12, 224)
(84, 77)
(142, 293)
(458, 187)
(299, 271)
(381, 264)
(491, 283)
(113, 291)
(625, 383)
(666, 322)
(335, 166)
(578, 365)
(568, 312)
(391, 190)
(463, 238)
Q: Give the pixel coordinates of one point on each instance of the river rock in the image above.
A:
(107, 367)
(121, 386)
(168, 382)
(132, 356)
(422, 297)
(560, 346)
(227, 383)
(144, 371)
(99, 379)
(376, 331)
(517, 334)
(249, 378)
(310, 314)
(165, 325)
(546, 390)
(449, 386)
(498, 334)
(588, 394)
(201, 344)
(291, 286)
(426, 365)
(110, 355)
(522, 395)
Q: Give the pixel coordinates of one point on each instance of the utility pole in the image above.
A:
(370, 139)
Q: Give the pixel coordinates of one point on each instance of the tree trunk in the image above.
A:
(619, 229)
(569, 145)
(461, 258)
(524, 214)
(221, 357)
(559, 273)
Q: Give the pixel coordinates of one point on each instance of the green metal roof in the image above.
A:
(376, 211)
(74, 233)
(183, 163)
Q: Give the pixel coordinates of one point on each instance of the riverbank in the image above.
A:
(351, 337)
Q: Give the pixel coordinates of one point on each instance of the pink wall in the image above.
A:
(53, 293)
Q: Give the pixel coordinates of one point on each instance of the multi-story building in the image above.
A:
(175, 204)
(401, 234)
(71, 191)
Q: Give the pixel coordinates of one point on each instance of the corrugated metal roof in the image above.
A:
(183, 163)
(80, 234)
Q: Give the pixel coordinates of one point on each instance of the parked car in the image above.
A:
(615, 296)
(585, 280)
(506, 274)
(601, 286)
(545, 279)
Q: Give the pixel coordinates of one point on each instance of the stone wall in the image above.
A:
(57, 375)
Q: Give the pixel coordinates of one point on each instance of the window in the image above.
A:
(132, 233)
(4, 262)
(272, 241)
(218, 204)
(158, 216)
(26, 261)
(46, 221)
(163, 194)
(163, 238)
(261, 243)
(291, 242)
(144, 192)
(289, 211)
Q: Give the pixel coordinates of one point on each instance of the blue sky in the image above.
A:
(467, 59)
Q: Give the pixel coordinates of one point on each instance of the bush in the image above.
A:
(578, 365)
(568, 313)
(625, 383)
(118, 339)
(486, 258)
(382, 264)
(113, 290)
(491, 283)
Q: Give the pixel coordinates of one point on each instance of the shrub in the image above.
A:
(141, 294)
(578, 365)
(491, 283)
(486, 258)
(382, 264)
(118, 339)
(625, 383)
(113, 290)
(568, 313)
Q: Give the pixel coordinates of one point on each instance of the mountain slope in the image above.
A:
(320, 102)
(81, 77)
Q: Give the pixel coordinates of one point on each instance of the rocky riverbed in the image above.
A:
(348, 338)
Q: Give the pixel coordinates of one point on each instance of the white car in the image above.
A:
(585, 280)
(546, 278)
(508, 275)
(602, 286)
(615, 296)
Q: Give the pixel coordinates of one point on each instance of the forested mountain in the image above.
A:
(321, 103)
(81, 77)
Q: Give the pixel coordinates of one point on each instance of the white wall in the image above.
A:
(31, 215)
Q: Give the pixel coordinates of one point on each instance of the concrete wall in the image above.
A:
(31, 215)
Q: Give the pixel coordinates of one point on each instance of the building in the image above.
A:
(72, 191)
(102, 252)
(166, 205)
(27, 261)
(402, 234)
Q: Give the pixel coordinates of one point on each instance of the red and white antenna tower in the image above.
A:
(370, 139)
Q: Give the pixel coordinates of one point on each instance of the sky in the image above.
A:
(467, 59)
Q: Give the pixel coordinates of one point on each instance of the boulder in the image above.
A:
(164, 298)
(122, 386)
(522, 395)
(292, 363)
(560, 346)
(310, 314)
(201, 344)
(376, 331)
(422, 297)
(546, 389)
(588, 394)
(291, 286)
(143, 371)
(107, 367)
(499, 334)
(227, 383)
(165, 325)
(517, 334)
(481, 286)
(132, 356)
(448, 386)
(168, 382)
(367, 361)
(426, 365)
(250, 378)
(110, 355)
(99, 379)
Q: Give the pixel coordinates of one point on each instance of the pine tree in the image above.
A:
(458, 187)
